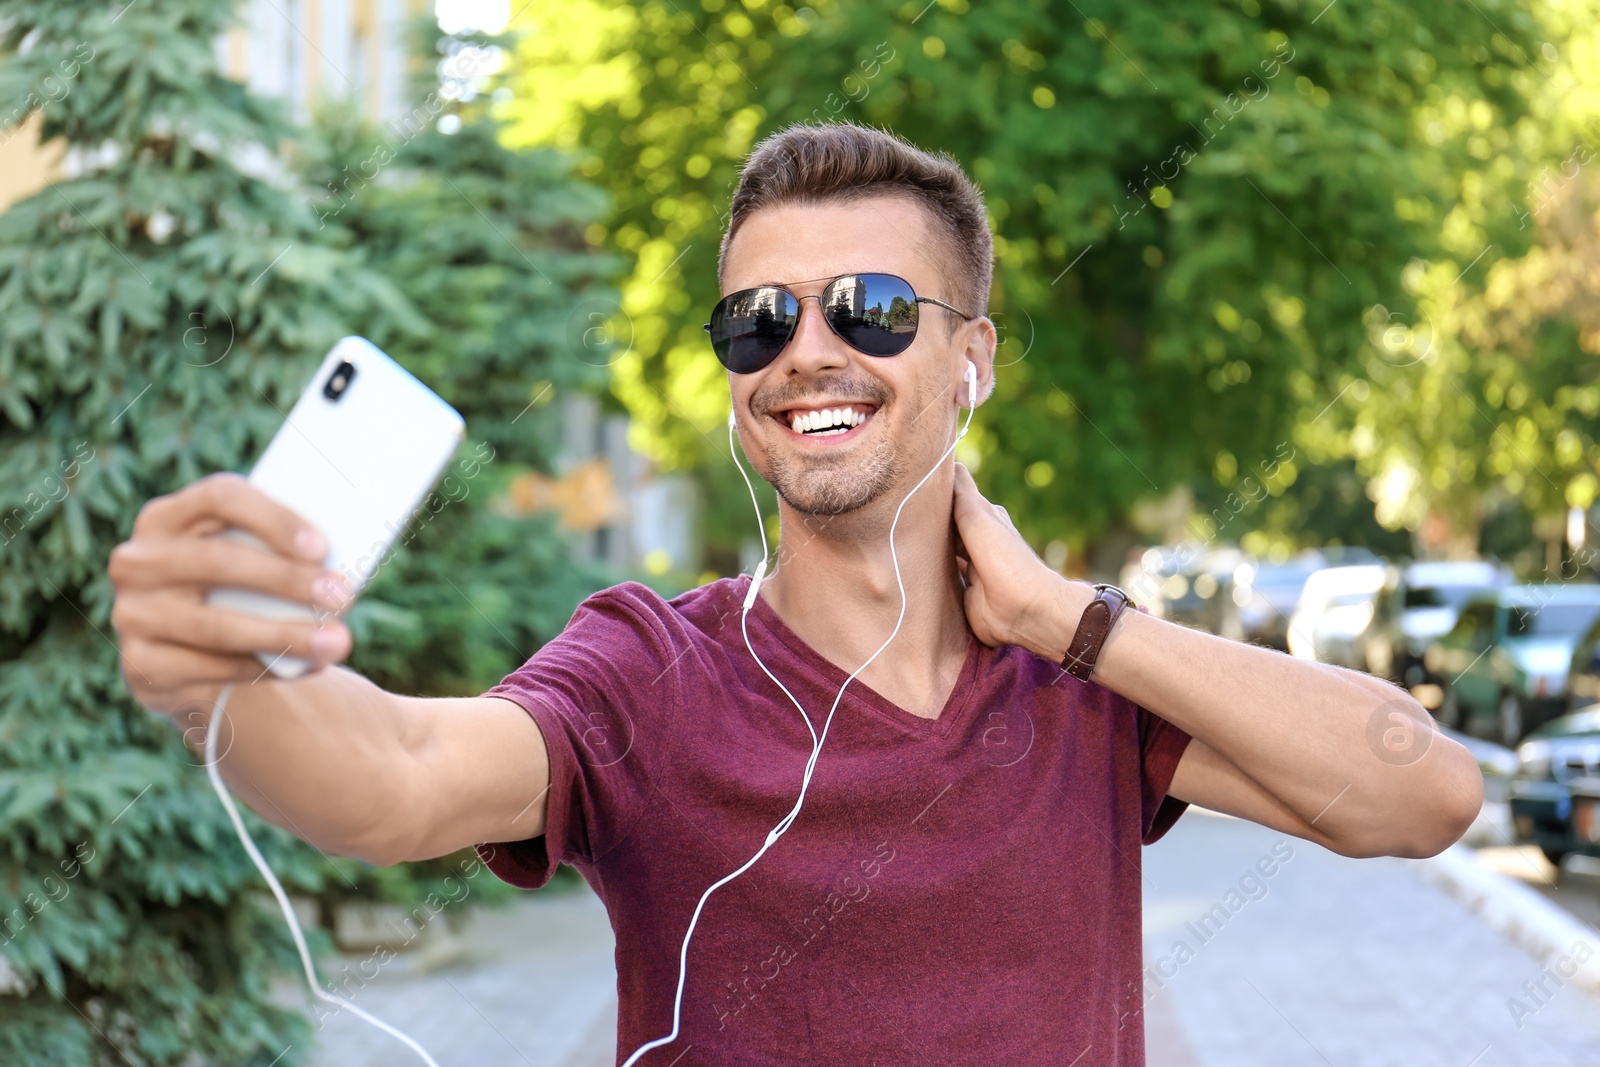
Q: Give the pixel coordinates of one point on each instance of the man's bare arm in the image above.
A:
(1329, 754)
(358, 771)
(329, 756)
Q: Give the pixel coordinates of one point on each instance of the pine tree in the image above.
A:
(158, 312)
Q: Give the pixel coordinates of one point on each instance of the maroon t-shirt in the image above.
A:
(956, 890)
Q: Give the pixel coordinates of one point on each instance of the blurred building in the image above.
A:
(623, 513)
(299, 50)
(309, 50)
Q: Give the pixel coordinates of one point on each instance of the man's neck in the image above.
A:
(834, 586)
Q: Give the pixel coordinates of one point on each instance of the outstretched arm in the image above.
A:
(329, 756)
(1328, 754)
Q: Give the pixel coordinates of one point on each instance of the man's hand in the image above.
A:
(178, 651)
(1012, 596)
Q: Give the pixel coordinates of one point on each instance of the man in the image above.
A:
(962, 882)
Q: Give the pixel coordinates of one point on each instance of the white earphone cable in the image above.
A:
(817, 742)
(277, 888)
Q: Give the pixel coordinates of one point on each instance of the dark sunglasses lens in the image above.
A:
(874, 313)
(750, 328)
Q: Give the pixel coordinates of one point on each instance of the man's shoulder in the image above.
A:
(709, 599)
(702, 609)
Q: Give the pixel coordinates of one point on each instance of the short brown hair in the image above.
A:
(833, 161)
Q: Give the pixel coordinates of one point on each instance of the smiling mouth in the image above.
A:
(837, 420)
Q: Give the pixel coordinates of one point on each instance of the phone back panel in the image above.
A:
(356, 467)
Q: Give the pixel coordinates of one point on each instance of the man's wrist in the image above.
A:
(1048, 631)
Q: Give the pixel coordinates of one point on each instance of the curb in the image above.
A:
(1568, 948)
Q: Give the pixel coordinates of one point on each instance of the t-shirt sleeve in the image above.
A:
(1161, 745)
(593, 691)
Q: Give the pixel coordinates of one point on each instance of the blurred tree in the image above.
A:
(159, 310)
(157, 313)
(1480, 403)
(1197, 205)
(488, 245)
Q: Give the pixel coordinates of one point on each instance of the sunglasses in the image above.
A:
(875, 314)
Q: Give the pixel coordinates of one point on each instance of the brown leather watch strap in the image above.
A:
(1093, 629)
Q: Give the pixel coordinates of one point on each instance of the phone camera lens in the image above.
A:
(339, 381)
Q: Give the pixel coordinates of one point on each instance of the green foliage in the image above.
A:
(487, 244)
(158, 312)
(1197, 205)
(1479, 407)
(117, 288)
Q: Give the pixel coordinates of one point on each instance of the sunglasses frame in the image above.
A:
(818, 297)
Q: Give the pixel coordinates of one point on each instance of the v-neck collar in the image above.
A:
(831, 676)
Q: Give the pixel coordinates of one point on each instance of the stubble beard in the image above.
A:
(837, 485)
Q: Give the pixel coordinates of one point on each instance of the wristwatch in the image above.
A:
(1098, 618)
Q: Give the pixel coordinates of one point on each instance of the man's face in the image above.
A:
(910, 399)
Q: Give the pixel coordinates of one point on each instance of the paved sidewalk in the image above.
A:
(1575, 886)
(1333, 961)
(537, 987)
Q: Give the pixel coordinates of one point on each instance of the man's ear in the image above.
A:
(981, 342)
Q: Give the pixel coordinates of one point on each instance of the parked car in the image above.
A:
(1583, 673)
(1348, 555)
(1503, 666)
(1196, 586)
(1267, 594)
(1148, 577)
(1418, 604)
(1333, 614)
(1555, 755)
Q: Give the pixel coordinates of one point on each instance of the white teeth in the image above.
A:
(844, 418)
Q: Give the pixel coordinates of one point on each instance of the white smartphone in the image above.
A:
(355, 457)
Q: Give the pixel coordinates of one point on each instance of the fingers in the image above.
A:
(208, 562)
(175, 618)
(967, 498)
(150, 667)
(173, 643)
(969, 502)
(221, 500)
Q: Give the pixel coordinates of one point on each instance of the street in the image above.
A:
(1336, 961)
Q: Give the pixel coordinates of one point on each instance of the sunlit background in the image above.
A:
(1299, 308)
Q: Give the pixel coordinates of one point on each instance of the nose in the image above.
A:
(814, 346)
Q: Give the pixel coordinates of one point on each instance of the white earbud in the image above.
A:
(970, 376)
(755, 585)
(732, 423)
